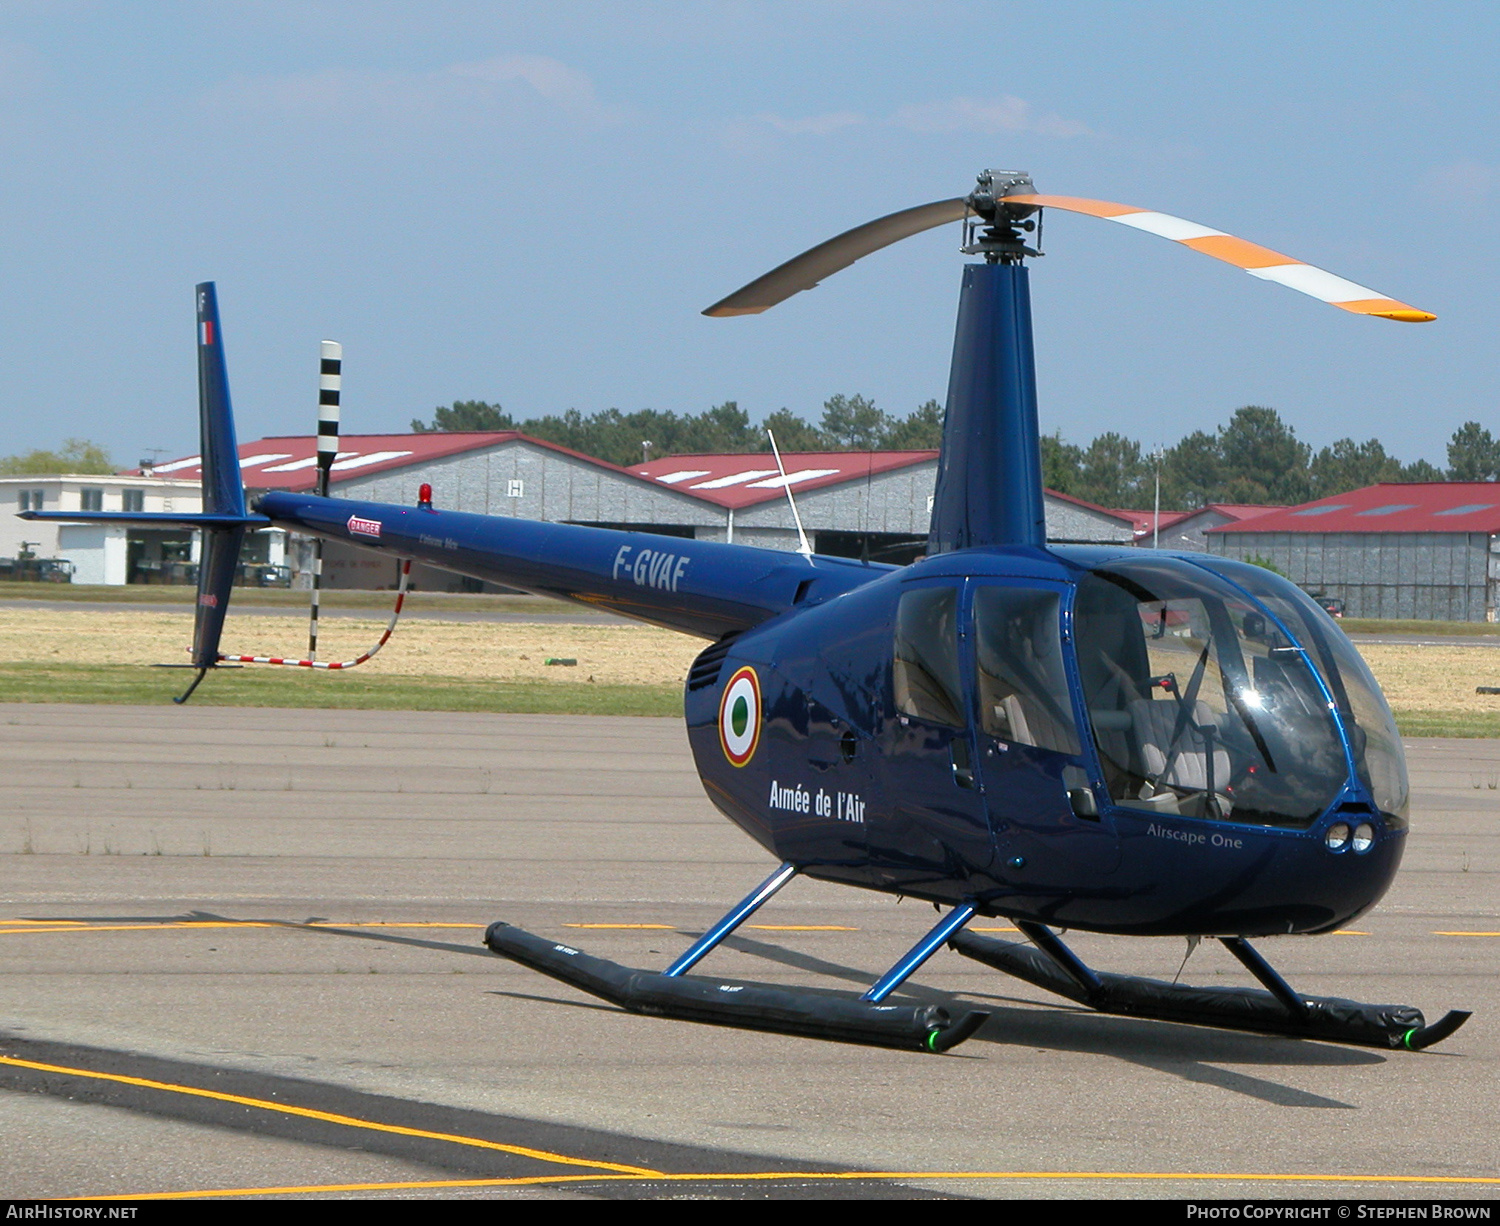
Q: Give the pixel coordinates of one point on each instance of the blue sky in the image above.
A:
(531, 204)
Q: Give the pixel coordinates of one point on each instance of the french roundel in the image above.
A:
(739, 717)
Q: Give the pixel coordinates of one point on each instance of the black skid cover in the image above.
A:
(749, 1006)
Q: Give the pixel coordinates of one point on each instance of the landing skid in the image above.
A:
(1278, 1010)
(750, 1006)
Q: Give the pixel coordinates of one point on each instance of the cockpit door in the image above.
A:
(931, 825)
(1030, 752)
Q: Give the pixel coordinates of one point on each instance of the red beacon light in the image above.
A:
(424, 495)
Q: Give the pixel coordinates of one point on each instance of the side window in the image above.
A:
(925, 669)
(133, 500)
(91, 500)
(1023, 690)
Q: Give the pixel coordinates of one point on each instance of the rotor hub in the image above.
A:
(995, 228)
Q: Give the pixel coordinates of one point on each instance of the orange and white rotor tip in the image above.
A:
(1258, 261)
(739, 717)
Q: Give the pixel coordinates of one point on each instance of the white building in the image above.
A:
(100, 553)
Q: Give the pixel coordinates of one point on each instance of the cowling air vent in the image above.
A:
(705, 670)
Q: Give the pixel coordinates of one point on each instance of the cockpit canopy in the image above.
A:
(1209, 702)
(1214, 689)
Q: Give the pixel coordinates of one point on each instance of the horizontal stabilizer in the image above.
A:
(151, 519)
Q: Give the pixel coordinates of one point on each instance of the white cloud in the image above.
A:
(552, 79)
(1004, 113)
(502, 87)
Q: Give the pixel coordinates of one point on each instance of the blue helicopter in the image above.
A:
(1111, 740)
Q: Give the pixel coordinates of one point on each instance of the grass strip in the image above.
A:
(285, 687)
(1411, 625)
(1463, 724)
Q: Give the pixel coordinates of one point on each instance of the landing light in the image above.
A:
(1364, 837)
(1337, 837)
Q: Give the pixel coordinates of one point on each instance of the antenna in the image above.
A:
(1156, 540)
(147, 465)
(802, 546)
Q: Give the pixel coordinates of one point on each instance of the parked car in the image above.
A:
(1332, 605)
(30, 569)
(263, 574)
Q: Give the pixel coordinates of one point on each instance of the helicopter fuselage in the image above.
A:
(865, 775)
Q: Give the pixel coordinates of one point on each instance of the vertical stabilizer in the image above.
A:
(223, 491)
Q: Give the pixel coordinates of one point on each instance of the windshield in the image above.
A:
(1200, 705)
(1371, 727)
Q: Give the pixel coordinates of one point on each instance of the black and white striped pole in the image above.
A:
(330, 385)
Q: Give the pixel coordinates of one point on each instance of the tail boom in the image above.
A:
(704, 588)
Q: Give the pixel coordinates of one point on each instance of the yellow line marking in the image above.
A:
(380, 924)
(784, 1176)
(348, 1121)
(76, 926)
(667, 927)
(1349, 932)
(145, 927)
(1466, 934)
(37, 921)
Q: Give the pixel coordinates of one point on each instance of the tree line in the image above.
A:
(1253, 458)
(76, 455)
(849, 423)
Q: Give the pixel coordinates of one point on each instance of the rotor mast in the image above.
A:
(989, 482)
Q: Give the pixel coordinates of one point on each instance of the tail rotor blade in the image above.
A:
(806, 270)
(1258, 261)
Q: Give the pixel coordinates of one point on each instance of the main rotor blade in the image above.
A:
(806, 270)
(1258, 261)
